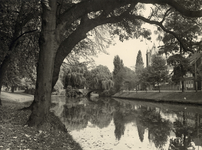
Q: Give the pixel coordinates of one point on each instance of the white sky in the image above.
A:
(127, 51)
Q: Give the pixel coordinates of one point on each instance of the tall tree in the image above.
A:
(144, 78)
(129, 78)
(118, 65)
(139, 66)
(119, 80)
(19, 19)
(158, 72)
(66, 23)
(118, 73)
(48, 45)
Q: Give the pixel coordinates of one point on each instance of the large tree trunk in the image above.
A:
(48, 46)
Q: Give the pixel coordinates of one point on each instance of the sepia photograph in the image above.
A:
(100, 74)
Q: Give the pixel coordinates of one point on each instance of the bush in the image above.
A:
(107, 93)
(70, 92)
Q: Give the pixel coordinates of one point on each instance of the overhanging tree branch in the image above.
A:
(78, 10)
(179, 7)
(131, 17)
(85, 7)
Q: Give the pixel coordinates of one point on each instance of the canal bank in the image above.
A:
(164, 97)
(16, 135)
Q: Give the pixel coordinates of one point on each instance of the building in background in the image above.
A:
(149, 54)
(193, 80)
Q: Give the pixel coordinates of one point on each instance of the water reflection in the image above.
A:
(122, 124)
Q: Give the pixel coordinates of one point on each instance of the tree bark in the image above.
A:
(48, 46)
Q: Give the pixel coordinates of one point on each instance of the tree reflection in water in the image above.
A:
(148, 120)
(119, 124)
(187, 128)
(100, 113)
(77, 115)
(158, 128)
(75, 118)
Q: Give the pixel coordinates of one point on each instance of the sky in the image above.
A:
(127, 51)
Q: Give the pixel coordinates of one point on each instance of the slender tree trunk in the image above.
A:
(3, 68)
(0, 97)
(0, 88)
(12, 89)
(182, 68)
(182, 85)
(48, 47)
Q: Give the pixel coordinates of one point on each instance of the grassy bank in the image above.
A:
(15, 135)
(177, 97)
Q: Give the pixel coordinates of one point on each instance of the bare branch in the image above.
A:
(165, 15)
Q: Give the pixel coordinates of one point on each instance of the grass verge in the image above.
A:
(15, 135)
(176, 97)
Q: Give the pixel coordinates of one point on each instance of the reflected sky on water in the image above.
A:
(117, 124)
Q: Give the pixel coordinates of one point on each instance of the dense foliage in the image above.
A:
(158, 72)
(19, 41)
(100, 79)
(74, 76)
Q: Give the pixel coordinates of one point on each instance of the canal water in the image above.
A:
(118, 124)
